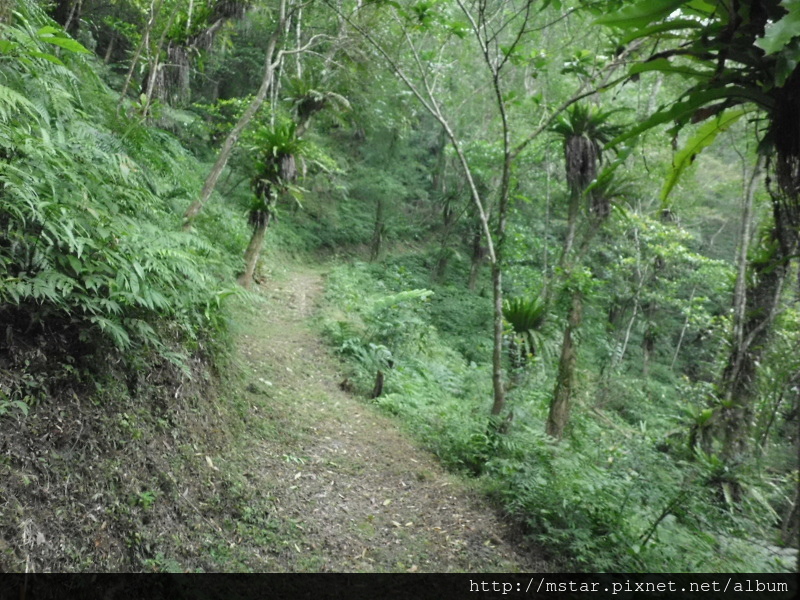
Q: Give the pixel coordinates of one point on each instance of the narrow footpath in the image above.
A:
(350, 490)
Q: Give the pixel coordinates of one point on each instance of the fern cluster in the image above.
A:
(90, 243)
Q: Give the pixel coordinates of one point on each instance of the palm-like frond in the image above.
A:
(527, 316)
(587, 121)
(584, 129)
(606, 188)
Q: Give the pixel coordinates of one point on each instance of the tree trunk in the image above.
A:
(790, 527)
(67, 13)
(478, 255)
(112, 43)
(155, 8)
(440, 270)
(448, 214)
(233, 137)
(755, 306)
(738, 382)
(155, 65)
(377, 233)
(449, 218)
(498, 384)
(572, 222)
(253, 252)
(6, 9)
(565, 383)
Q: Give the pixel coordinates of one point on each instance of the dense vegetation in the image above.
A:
(565, 238)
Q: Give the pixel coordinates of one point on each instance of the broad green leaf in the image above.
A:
(674, 25)
(702, 8)
(640, 14)
(704, 137)
(64, 42)
(556, 4)
(777, 35)
(663, 65)
(48, 57)
(788, 59)
(682, 111)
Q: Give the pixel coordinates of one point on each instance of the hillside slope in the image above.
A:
(280, 470)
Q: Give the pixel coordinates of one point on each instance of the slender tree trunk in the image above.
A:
(565, 383)
(377, 232)
(572, 223)
(738, 381)
(498, 380)
(73, 23)
(449, 218)
(683, 329)
(233, 137)
(431, 104)
(253, 252)
(478, 255)
(755, 306)
(298, 37)
(649, 338)
(155, 8)
(67, 13)
(110, 49)
(498, 383)
(155, 64)
(545, 255)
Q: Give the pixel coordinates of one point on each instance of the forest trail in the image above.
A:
(360, 494)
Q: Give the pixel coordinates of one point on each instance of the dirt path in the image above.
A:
(349, 490)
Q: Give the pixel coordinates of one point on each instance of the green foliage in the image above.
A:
(7, 405)
(703, 138)
(640, 14)
(587, 121)
(615, 495)
(526, 316)
(89, 242)
(777, 35)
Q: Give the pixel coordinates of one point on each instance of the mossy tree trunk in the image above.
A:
(737, 384)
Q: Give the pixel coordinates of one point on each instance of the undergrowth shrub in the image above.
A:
(610, 497)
